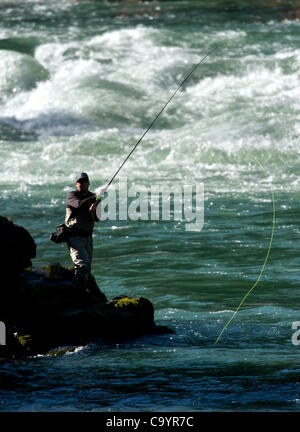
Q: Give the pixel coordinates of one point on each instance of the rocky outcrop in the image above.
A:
(17, 246)
(42, 310)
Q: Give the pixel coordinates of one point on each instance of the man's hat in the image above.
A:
(82, 176)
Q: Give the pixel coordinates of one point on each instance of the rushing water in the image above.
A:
(79, 84)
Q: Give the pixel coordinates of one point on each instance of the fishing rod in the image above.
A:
(157, 116)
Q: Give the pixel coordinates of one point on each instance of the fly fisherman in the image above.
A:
(81, 206)
(80, 218)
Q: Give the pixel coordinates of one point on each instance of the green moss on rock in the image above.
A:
(125, 301)
(24, 340)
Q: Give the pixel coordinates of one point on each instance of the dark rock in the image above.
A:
(42, 310)
(18, 247)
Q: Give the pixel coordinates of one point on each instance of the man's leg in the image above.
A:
(80, 254)
(90, 251)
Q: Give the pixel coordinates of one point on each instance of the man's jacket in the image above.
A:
(78, 216)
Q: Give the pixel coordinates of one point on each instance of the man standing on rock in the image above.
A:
(80, 217)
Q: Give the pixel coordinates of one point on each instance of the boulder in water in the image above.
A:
(42, 310)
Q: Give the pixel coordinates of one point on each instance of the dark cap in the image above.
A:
(82, 176)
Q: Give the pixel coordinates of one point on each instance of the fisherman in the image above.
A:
(80, 218)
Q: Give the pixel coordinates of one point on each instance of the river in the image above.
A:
(79, 84)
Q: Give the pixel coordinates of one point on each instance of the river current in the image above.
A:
(79, 84)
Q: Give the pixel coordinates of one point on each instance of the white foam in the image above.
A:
(212, 131)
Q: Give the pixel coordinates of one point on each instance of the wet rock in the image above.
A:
(43, 310)
(18, 247)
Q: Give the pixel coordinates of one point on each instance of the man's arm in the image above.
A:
(75, 202)
(97, 203)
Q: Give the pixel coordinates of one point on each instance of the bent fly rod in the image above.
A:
(155, 119)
